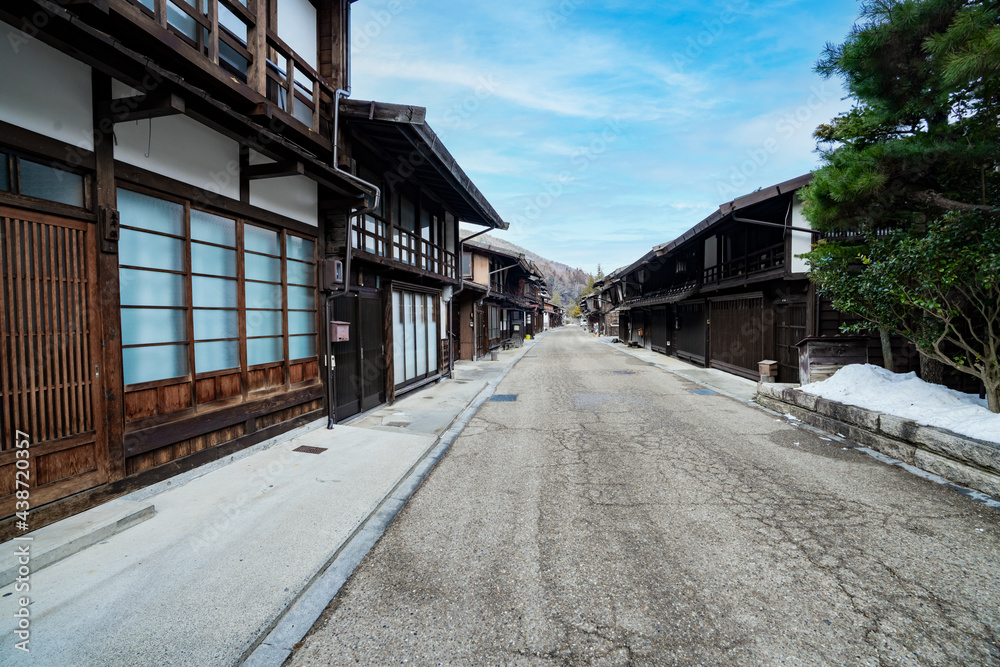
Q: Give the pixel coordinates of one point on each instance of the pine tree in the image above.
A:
(911, 171)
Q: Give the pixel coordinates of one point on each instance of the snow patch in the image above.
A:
(905, 395)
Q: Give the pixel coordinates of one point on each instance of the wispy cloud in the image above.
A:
(524, 96)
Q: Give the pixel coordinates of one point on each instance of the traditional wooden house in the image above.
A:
(178, 184)
(732, 291)
(502, 299)
(552, 315)
(403, 262)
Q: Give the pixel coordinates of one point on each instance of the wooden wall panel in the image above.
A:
(65, 463)
(175, 397)
(228, 385)
(140, 404)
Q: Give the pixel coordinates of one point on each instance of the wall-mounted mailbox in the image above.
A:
(340, 332)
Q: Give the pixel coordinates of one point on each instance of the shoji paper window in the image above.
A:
(151, 255)
(265, 328)
(214, 288)
(415, 326)
(300, 268)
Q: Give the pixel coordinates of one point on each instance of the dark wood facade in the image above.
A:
(503, 300)
(731, 292)
(171, 190)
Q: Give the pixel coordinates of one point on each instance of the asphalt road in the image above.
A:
(610, 516)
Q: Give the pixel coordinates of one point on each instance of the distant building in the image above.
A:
(503, 298)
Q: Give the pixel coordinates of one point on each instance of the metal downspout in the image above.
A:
(349, 246)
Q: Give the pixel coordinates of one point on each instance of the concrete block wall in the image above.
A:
(964, 460)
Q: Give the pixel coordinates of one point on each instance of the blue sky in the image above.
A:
(600, 128)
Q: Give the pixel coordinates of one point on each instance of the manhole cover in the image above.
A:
(703, 392)
(504, 398)
(306, 449)
(623, 372)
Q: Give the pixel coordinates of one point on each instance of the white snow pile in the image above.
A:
(905, 395)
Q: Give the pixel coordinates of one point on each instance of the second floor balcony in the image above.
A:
(235, 41)
(755, 261)
(381, 239)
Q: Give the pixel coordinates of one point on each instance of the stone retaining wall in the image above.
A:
(967, 461)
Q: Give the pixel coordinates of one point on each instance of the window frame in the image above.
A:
(243, 368)
(14, 192)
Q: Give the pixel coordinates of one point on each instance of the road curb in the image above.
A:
(89, 537)
(291, 627)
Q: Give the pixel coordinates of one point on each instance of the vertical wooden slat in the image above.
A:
(6, 394)
(286, 368)
(43, 270)
(87, 377)
(241, 300)
(160, 12)
(213, 35)
(77, 336)
(315, 93)
(189, 317)
(257, 45)
(290, 85)
(17, 348)
(30, 300)
(55, 327)
(70, 347)
(66, 336)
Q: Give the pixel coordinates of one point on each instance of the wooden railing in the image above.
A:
(372, 235)
(296, 93)
(239, 41)
(753, 262)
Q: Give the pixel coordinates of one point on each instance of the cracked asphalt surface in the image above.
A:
(610, 518)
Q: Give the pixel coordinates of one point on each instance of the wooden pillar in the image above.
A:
(257, 44)
(109, 302)
(390, 374)
(213, 35)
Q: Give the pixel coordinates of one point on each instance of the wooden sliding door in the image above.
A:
(49, 358)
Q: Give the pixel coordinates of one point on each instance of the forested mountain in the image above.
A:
(565, 282)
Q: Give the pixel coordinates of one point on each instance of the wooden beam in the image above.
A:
(274, 170)
(138, 442)
(141, 107)
(393, 113)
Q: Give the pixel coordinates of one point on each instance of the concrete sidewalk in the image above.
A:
(721, 381)
(236, 560)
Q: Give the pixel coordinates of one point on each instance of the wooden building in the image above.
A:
(502, 300)
(403, 260)
(732, 290)
(178, 184)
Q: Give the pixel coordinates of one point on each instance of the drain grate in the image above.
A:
(504, 398)
(306, 449)
(623, 372)
(703, 392)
